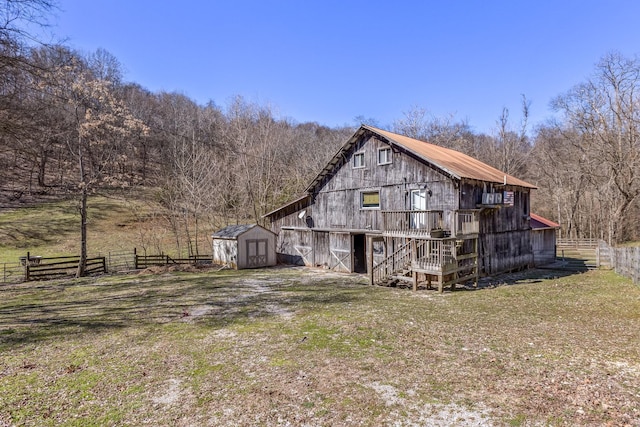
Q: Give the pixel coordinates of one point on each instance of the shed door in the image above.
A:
(257, 252)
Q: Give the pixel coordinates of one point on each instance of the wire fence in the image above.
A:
(12, 272)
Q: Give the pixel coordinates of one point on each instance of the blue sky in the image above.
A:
(331, 61)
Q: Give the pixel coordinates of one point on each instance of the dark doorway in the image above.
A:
(359, 253)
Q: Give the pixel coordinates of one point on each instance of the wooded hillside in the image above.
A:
(70, 125)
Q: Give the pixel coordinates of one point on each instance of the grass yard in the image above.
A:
(301, 347)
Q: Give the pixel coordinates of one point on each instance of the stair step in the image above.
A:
(402, 278)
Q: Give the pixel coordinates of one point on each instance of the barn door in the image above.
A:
(340, 250)
(304, 245)
(321, 251)
(257, 252)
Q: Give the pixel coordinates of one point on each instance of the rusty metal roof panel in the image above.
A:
(538, 221)
(451, 161)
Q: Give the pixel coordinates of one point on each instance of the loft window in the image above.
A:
(358, 160)
(370, 200)
(384, 156)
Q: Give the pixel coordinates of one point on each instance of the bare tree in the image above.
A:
(101, 128)
(512, 148)
(602, 120)
(445, 131)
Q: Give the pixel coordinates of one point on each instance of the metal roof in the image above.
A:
(538, 222)
(451, 161)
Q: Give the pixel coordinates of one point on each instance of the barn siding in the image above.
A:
(506, 251)
(337, 201)
(543, 242)
(295, 247)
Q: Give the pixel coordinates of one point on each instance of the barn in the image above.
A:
(402, 209)
(244, 246)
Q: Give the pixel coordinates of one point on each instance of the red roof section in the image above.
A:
(539, 222)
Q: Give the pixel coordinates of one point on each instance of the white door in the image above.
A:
(419, 203)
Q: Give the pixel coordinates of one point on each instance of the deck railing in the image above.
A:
(393, 263)
(430, 223)
(416, 223)
(434, 255)
(466, 222)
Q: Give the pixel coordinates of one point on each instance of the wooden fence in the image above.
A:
(146, 261)
(625, 261)
(43, 268)
(39, 268)
(577, 243)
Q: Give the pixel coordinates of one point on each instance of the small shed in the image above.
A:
(244, 246)
(543, 239)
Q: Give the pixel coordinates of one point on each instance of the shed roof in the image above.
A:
(538, 222)
(233, 231)
(451, 162)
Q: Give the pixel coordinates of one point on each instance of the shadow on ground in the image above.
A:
(33, 312)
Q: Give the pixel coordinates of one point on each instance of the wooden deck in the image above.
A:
(440, 247)
(430, 261)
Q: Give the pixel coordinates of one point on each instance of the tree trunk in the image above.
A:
(83, 233)
(42, 167)
(82, 263)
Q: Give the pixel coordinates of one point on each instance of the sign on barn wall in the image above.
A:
(507, 199)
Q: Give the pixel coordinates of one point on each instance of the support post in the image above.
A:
(415, 280)
(26, 267)
(370, 257)
(475, 249)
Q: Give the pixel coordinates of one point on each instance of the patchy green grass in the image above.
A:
(39, 228)
(115, 223)
(306, 347)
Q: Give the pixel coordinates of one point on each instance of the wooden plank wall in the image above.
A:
(501, 252)
(543, 244)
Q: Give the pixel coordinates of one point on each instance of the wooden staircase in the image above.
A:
(396, 267)
(428, 261)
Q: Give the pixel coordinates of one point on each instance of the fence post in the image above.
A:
(135, 258)
(26, 267)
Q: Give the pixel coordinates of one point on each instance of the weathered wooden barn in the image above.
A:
(543, 239)
(244, 246)
(402, 209)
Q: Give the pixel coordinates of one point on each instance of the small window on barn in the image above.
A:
(358, 160)
(370, 200)
(384, 156)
